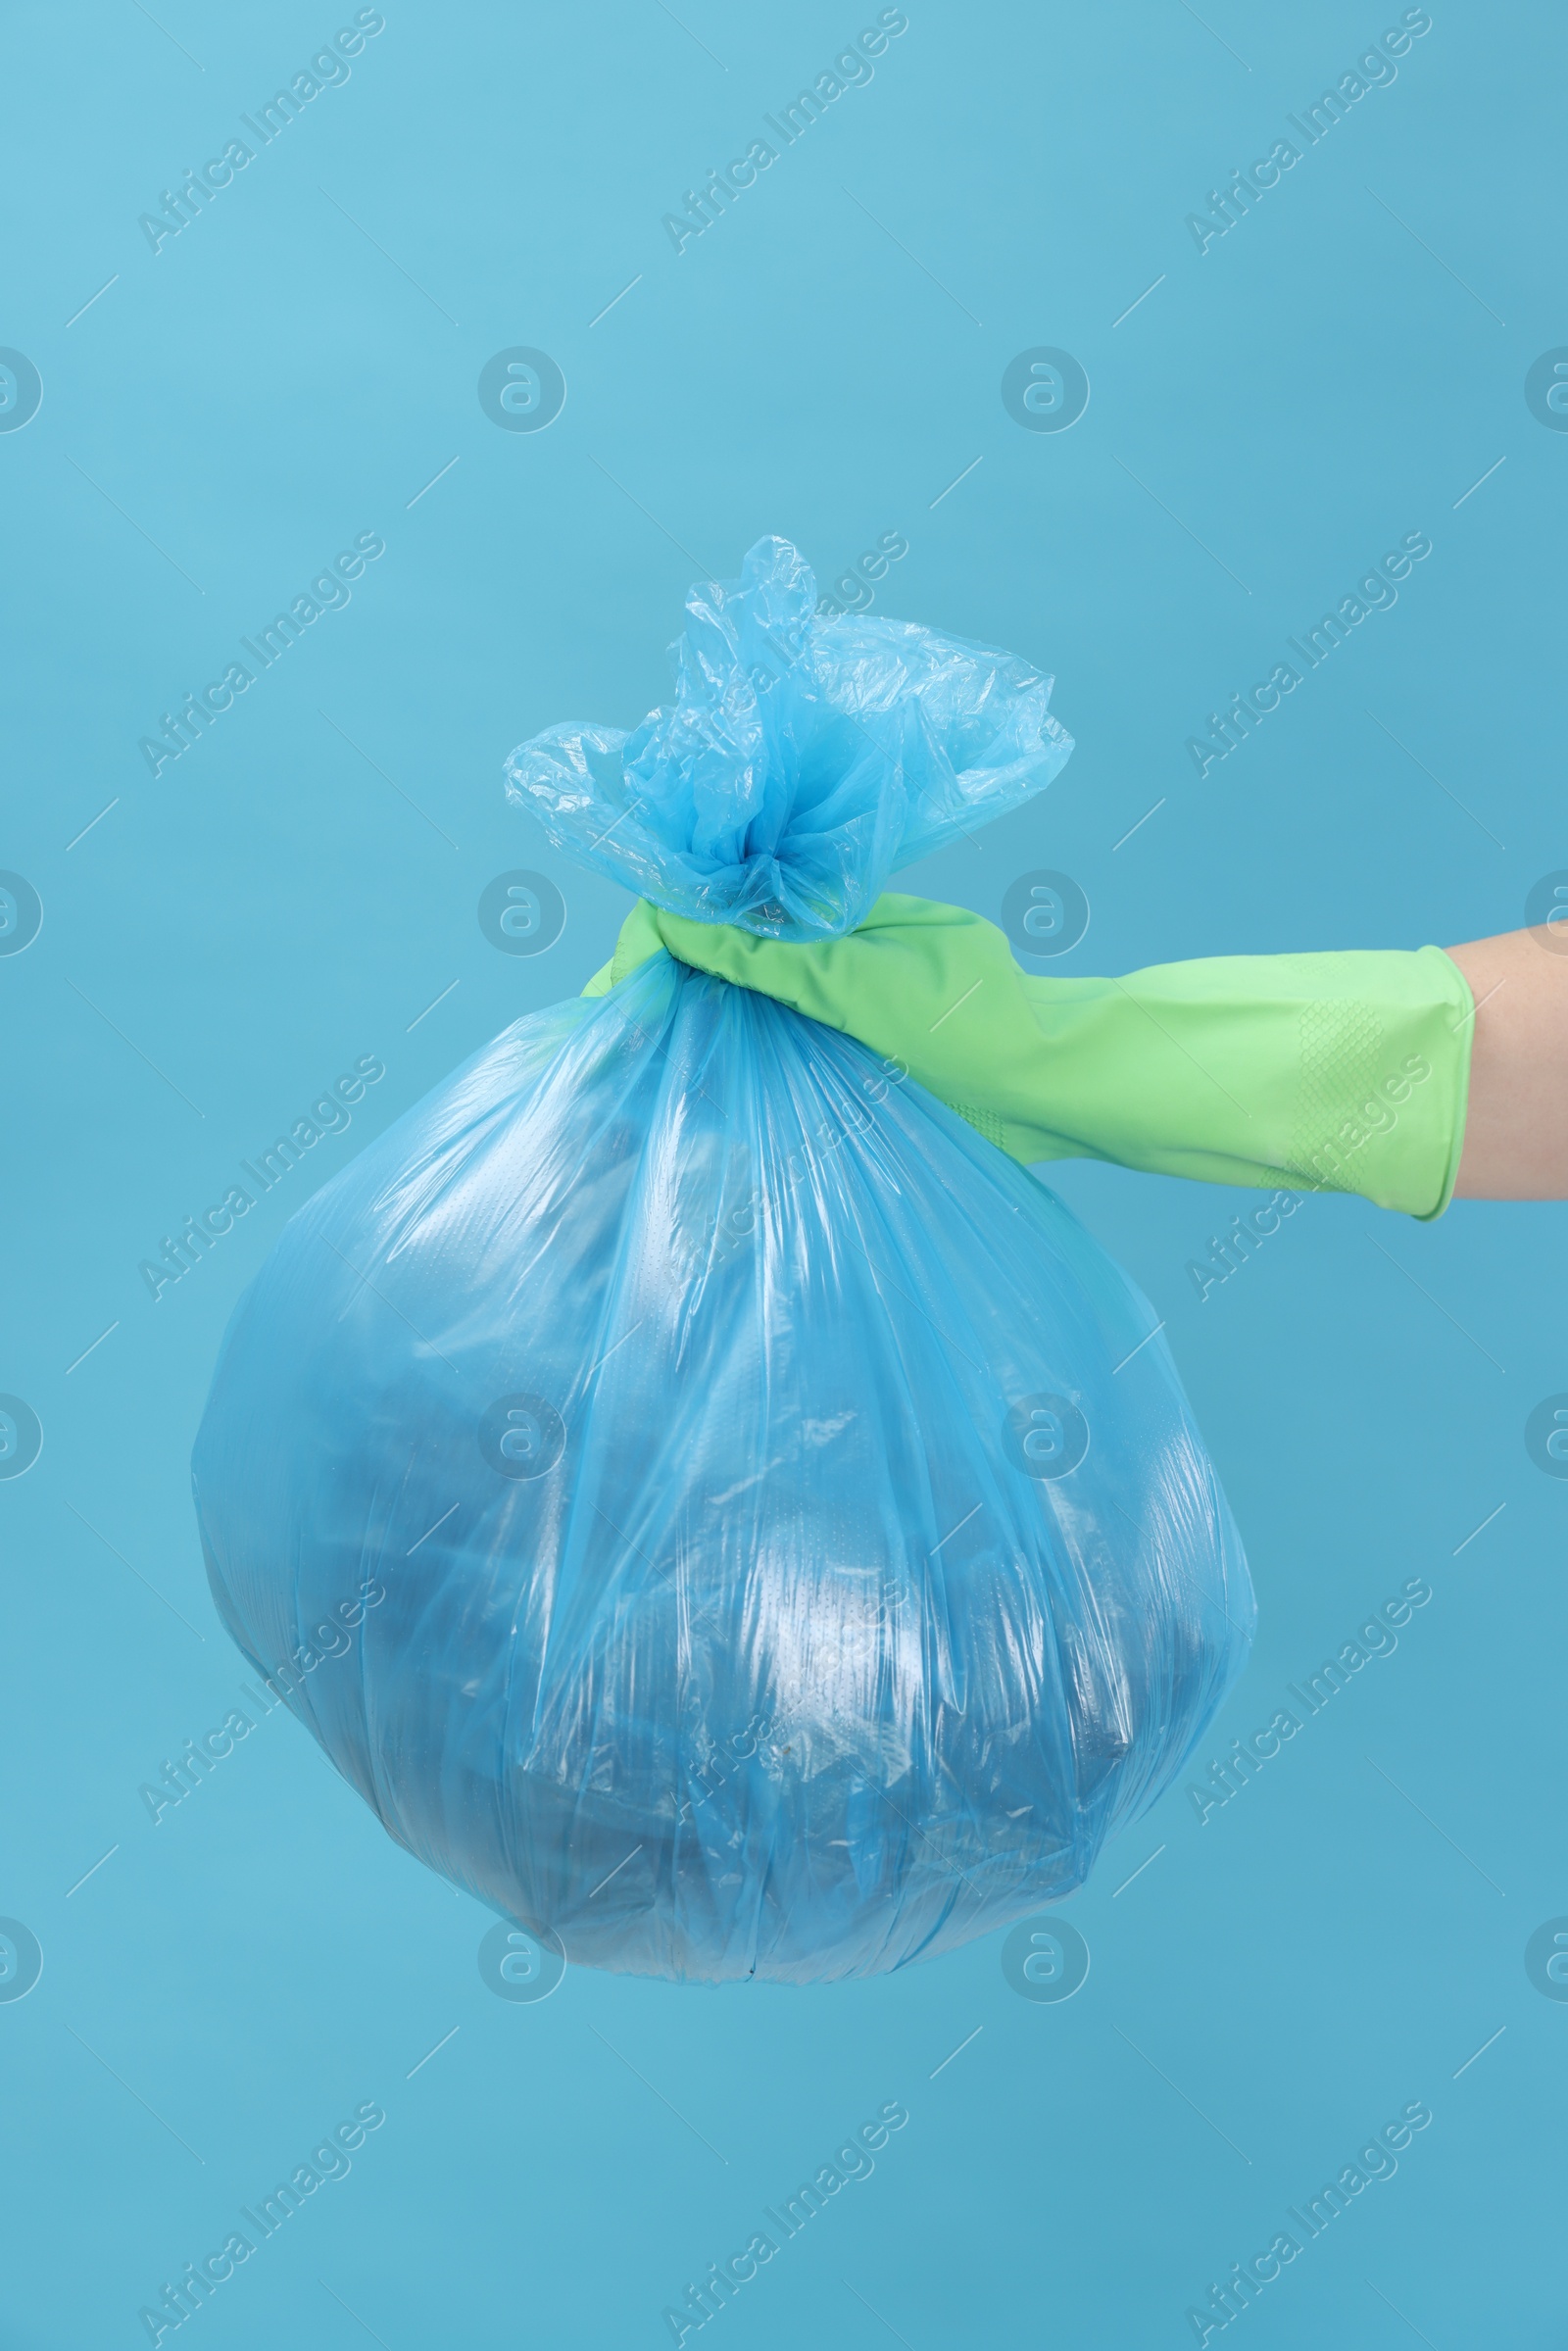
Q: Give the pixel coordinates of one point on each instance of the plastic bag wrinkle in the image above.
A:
(787, 1665)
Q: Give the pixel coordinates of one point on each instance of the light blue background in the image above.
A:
(227, 414)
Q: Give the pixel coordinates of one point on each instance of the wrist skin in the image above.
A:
(1516, 1130)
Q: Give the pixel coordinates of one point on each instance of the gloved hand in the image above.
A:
(1343, 1072)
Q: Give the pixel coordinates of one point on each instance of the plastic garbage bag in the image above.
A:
(736, 1519)
(801, 762)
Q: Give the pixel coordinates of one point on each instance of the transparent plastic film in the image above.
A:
(792, 1555)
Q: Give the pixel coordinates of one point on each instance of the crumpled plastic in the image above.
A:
(801, 762)
(791, 1552)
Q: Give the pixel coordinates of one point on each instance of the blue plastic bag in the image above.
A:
(711, 1504)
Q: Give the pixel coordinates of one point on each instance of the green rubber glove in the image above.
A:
(1342, 1072)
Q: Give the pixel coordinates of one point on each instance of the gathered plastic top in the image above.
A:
(804, 759)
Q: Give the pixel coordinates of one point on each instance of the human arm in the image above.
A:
(1516, 1134)
(1317, 1072)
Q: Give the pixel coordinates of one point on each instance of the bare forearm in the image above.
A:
(1517, 1131)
